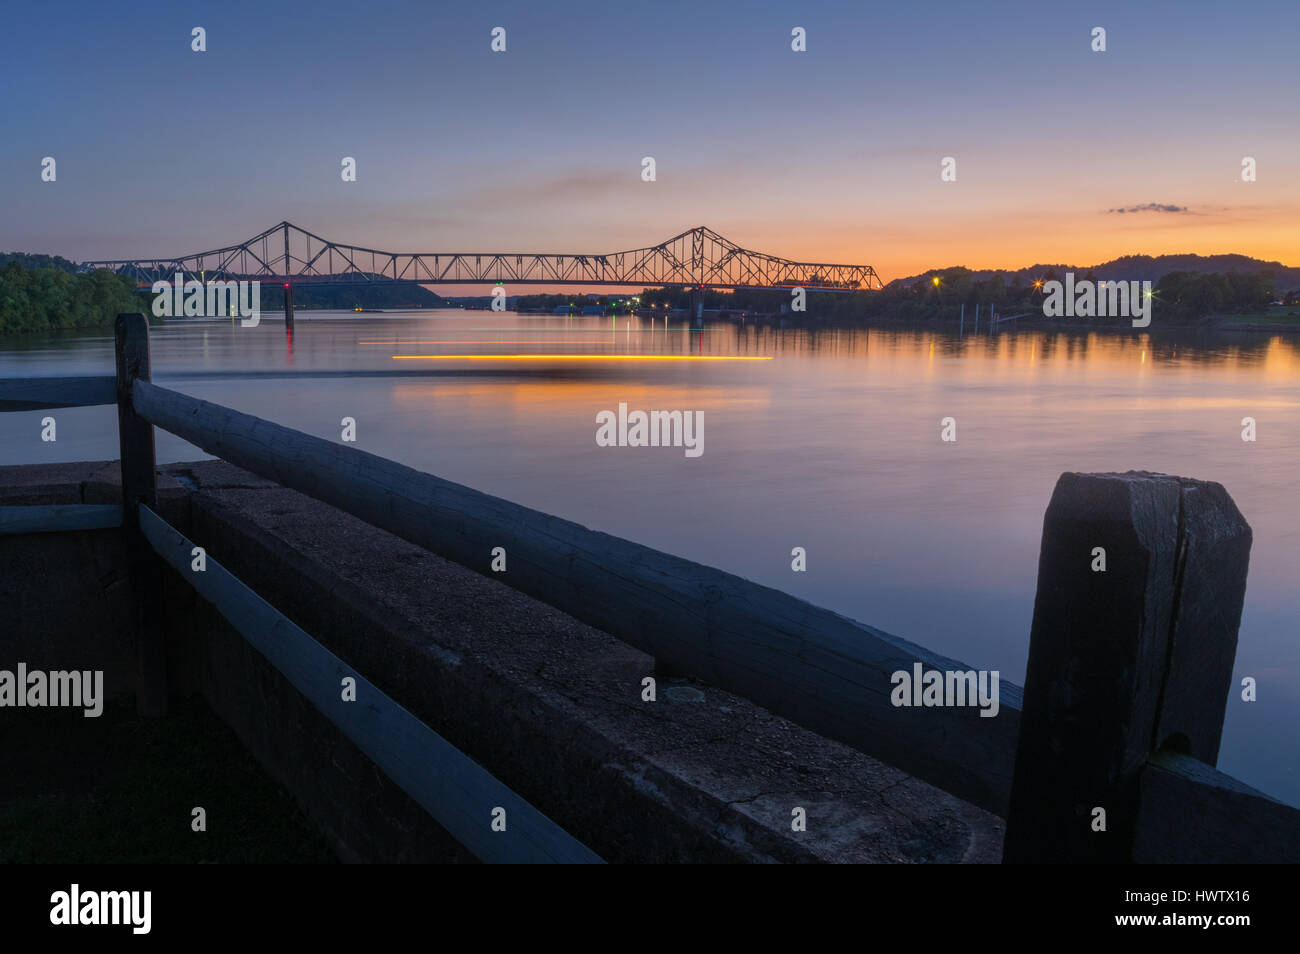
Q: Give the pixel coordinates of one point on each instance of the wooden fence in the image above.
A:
(1129, 667)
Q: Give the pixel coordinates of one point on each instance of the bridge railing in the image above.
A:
(1107, 755)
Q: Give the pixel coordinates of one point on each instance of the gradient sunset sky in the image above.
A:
(828, 155)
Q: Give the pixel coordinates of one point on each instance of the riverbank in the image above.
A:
(1037, 324)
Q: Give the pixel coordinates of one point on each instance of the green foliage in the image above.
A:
(51, 298)
(1187, 296)
(576, 301)
(27, 260)
(347, 297)
(1180, 298)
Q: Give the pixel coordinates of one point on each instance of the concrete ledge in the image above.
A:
(553, 707)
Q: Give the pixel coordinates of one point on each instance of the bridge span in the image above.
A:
(698, 258)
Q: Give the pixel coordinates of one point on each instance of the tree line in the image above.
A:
(51, 297)
(46, 293)
(1180, 297)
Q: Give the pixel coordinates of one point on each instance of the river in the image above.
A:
(833, 445)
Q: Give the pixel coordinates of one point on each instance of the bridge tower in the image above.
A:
(288, 285)
(698, 266)
(288, 306)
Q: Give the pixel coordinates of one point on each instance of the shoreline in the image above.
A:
(1205, 327)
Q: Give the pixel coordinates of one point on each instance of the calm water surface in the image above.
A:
(833, 445)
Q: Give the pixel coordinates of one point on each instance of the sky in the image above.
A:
(832, 154)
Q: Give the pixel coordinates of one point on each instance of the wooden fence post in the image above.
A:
(139, 485)
(1141, 580)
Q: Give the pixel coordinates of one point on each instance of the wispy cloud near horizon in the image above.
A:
(1151, 207)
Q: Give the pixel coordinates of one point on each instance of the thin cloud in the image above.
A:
(1151, 207)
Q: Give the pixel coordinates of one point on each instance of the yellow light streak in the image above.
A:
(579, 357)
(602, 339)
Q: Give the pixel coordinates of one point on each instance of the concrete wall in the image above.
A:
(64, 598)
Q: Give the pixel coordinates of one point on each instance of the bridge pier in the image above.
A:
(288, 306)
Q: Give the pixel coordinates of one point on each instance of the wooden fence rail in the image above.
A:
(1189, 812)
(36, 394)
(56, 518)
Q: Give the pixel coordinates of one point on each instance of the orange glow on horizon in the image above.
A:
(599, 339)
(580, 357)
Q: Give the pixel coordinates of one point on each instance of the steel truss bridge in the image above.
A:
(699, 258)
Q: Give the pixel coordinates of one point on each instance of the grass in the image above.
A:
(1274, 315)
(121, 789)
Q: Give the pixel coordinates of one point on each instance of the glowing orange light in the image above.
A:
(580, 357)
(488, 341)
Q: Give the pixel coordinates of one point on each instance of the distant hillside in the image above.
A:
(50, 297)
(1140, 268)
(47, 293)
(350, 296)
(27, 260)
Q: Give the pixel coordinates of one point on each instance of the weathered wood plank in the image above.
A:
(37, 394)
(57, 518)
(140, 487)
(1211, 590)
(1192, 813)
(455, 790)
(803, 662)
(135, 434)
(1125, 659)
